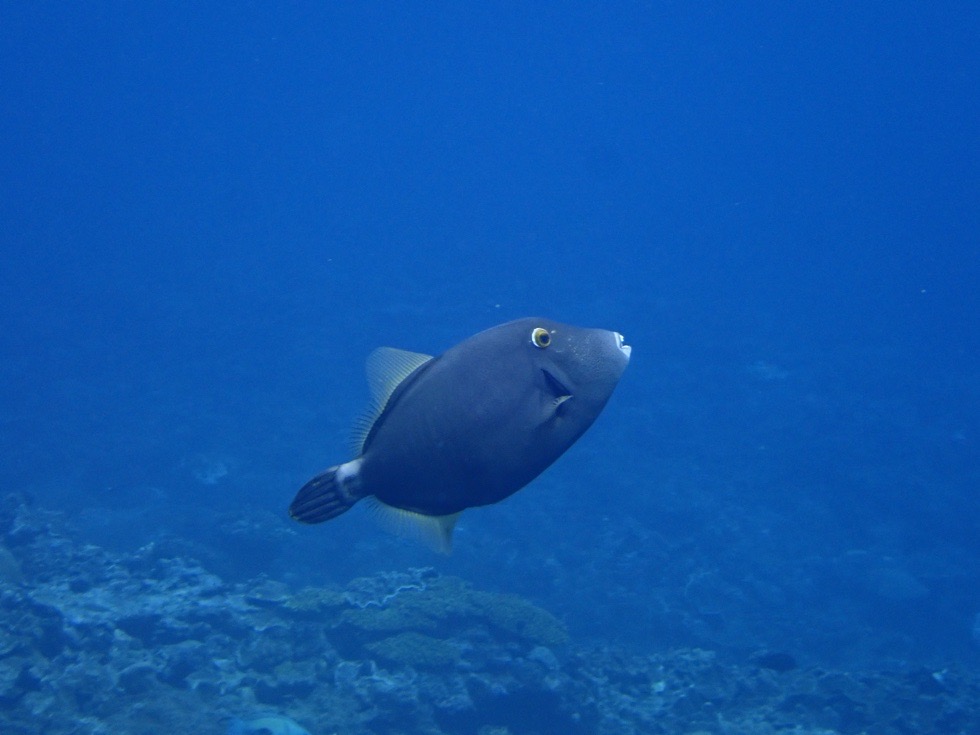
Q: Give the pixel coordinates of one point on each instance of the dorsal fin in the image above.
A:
(436, 532)
(386, 369)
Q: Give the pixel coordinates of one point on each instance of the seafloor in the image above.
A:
(148, 642)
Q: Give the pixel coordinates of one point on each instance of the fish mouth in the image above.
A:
(621, 344)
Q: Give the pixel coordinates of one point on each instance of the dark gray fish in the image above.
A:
(469, 427)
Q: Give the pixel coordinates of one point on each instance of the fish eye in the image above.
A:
(540, 337)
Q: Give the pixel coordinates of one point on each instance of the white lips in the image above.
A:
(621, 344)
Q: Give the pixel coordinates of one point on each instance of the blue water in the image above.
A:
(209, 216)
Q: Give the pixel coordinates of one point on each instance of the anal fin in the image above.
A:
(436, 532)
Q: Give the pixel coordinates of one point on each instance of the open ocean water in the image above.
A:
(211, 213)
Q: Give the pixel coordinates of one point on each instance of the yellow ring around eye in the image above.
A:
(540, 337)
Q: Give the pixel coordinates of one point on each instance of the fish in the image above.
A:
(269, 725)
(470, 427)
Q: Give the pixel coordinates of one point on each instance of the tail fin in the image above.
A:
(324, 497)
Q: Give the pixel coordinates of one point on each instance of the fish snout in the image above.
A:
(622, 346)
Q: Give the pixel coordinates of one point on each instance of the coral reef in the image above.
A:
(95, 642)
(421, 600)
(415, 650)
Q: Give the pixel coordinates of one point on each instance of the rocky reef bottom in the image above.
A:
(96, 642)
